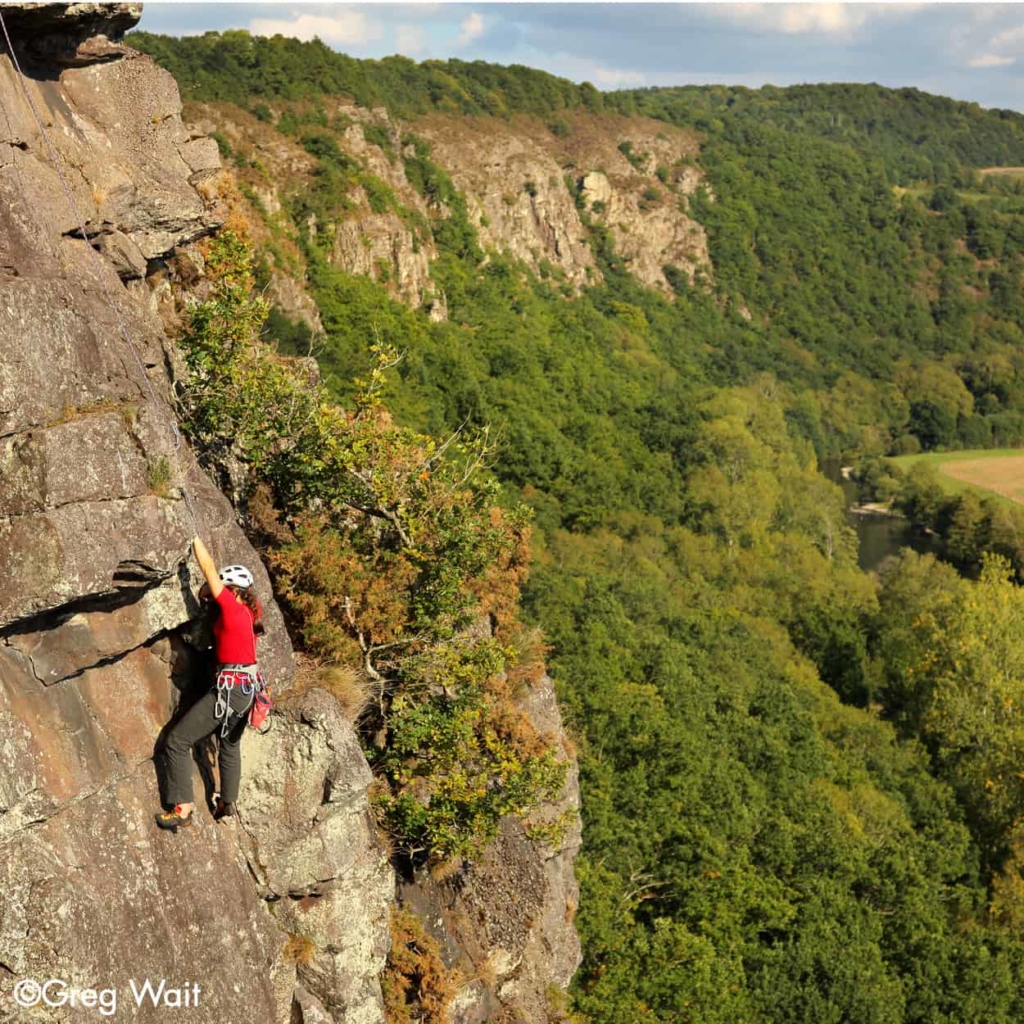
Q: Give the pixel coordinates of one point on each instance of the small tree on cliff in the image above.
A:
(390, 549)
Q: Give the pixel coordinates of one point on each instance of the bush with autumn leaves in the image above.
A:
(390, 553)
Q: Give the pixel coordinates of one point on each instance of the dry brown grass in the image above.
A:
(570, 911)
(1004, 476)
(531, 653)
(347, 684)
(207, 189)
(442, 870)
(417, 985)
(486, 972)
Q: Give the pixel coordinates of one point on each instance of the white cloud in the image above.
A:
(472, 28)
(409, 39)
(796, 19)
(1000, 51)
(579, 69)
(616, 79)
(1008, 37)
(345, 28)
(991, 60)
(830, 19)
(840, 20)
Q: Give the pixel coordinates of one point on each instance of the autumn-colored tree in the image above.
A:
(392, 555)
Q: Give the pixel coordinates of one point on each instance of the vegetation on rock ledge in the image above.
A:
(387, 551)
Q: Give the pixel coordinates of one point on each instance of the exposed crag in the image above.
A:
(280, 915)
(527, 191)
(506, 923)
(97, 594)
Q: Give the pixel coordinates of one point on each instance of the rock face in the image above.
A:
(69, 35)
(278, 915)
(381, 246)
(506, 922)
(516, 193)
(527, 193)
(316, 856)
(634, 176)
(370, 239)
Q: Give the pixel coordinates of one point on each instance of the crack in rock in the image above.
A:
(132, 580)
(110, 659)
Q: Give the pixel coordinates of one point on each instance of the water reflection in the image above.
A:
(878, 537)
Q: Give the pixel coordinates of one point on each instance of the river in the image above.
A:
(878, 537)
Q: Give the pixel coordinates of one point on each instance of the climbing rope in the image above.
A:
(97, 266)
(24, 189)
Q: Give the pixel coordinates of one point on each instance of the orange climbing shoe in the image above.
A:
(173, 820)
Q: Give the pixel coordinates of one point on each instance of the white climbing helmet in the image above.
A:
(236, 576)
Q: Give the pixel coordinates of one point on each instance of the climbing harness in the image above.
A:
(97, 268)
(246, 677)
(253, 686)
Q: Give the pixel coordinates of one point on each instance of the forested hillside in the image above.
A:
(802, 787)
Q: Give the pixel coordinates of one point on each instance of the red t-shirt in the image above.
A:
(233, 636)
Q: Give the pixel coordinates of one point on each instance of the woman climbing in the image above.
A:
(224, 708)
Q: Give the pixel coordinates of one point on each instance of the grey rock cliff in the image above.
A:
(97, 617)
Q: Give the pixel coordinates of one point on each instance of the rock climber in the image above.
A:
(224, 708)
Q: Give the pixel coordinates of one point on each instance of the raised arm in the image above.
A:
(209, 567)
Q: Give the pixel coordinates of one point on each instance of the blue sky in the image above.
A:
(968, 51)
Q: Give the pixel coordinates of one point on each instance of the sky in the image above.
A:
(967, 51)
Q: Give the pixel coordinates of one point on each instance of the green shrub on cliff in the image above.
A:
(388, 553)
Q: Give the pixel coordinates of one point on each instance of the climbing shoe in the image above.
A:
(223, 810)
(173, 820)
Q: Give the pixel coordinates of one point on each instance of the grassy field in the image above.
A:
(999, 471)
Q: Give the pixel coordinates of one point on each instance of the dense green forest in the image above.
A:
(803, 786)
(919, 136)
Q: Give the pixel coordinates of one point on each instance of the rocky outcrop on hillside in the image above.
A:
(506, 923)
(516, 192)
(527, 191)
(280, 915)
(520, 181)
(369, 242)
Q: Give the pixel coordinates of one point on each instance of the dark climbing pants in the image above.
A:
(198, 723)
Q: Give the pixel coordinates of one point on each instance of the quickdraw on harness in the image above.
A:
(249, 680)
(228, 678)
